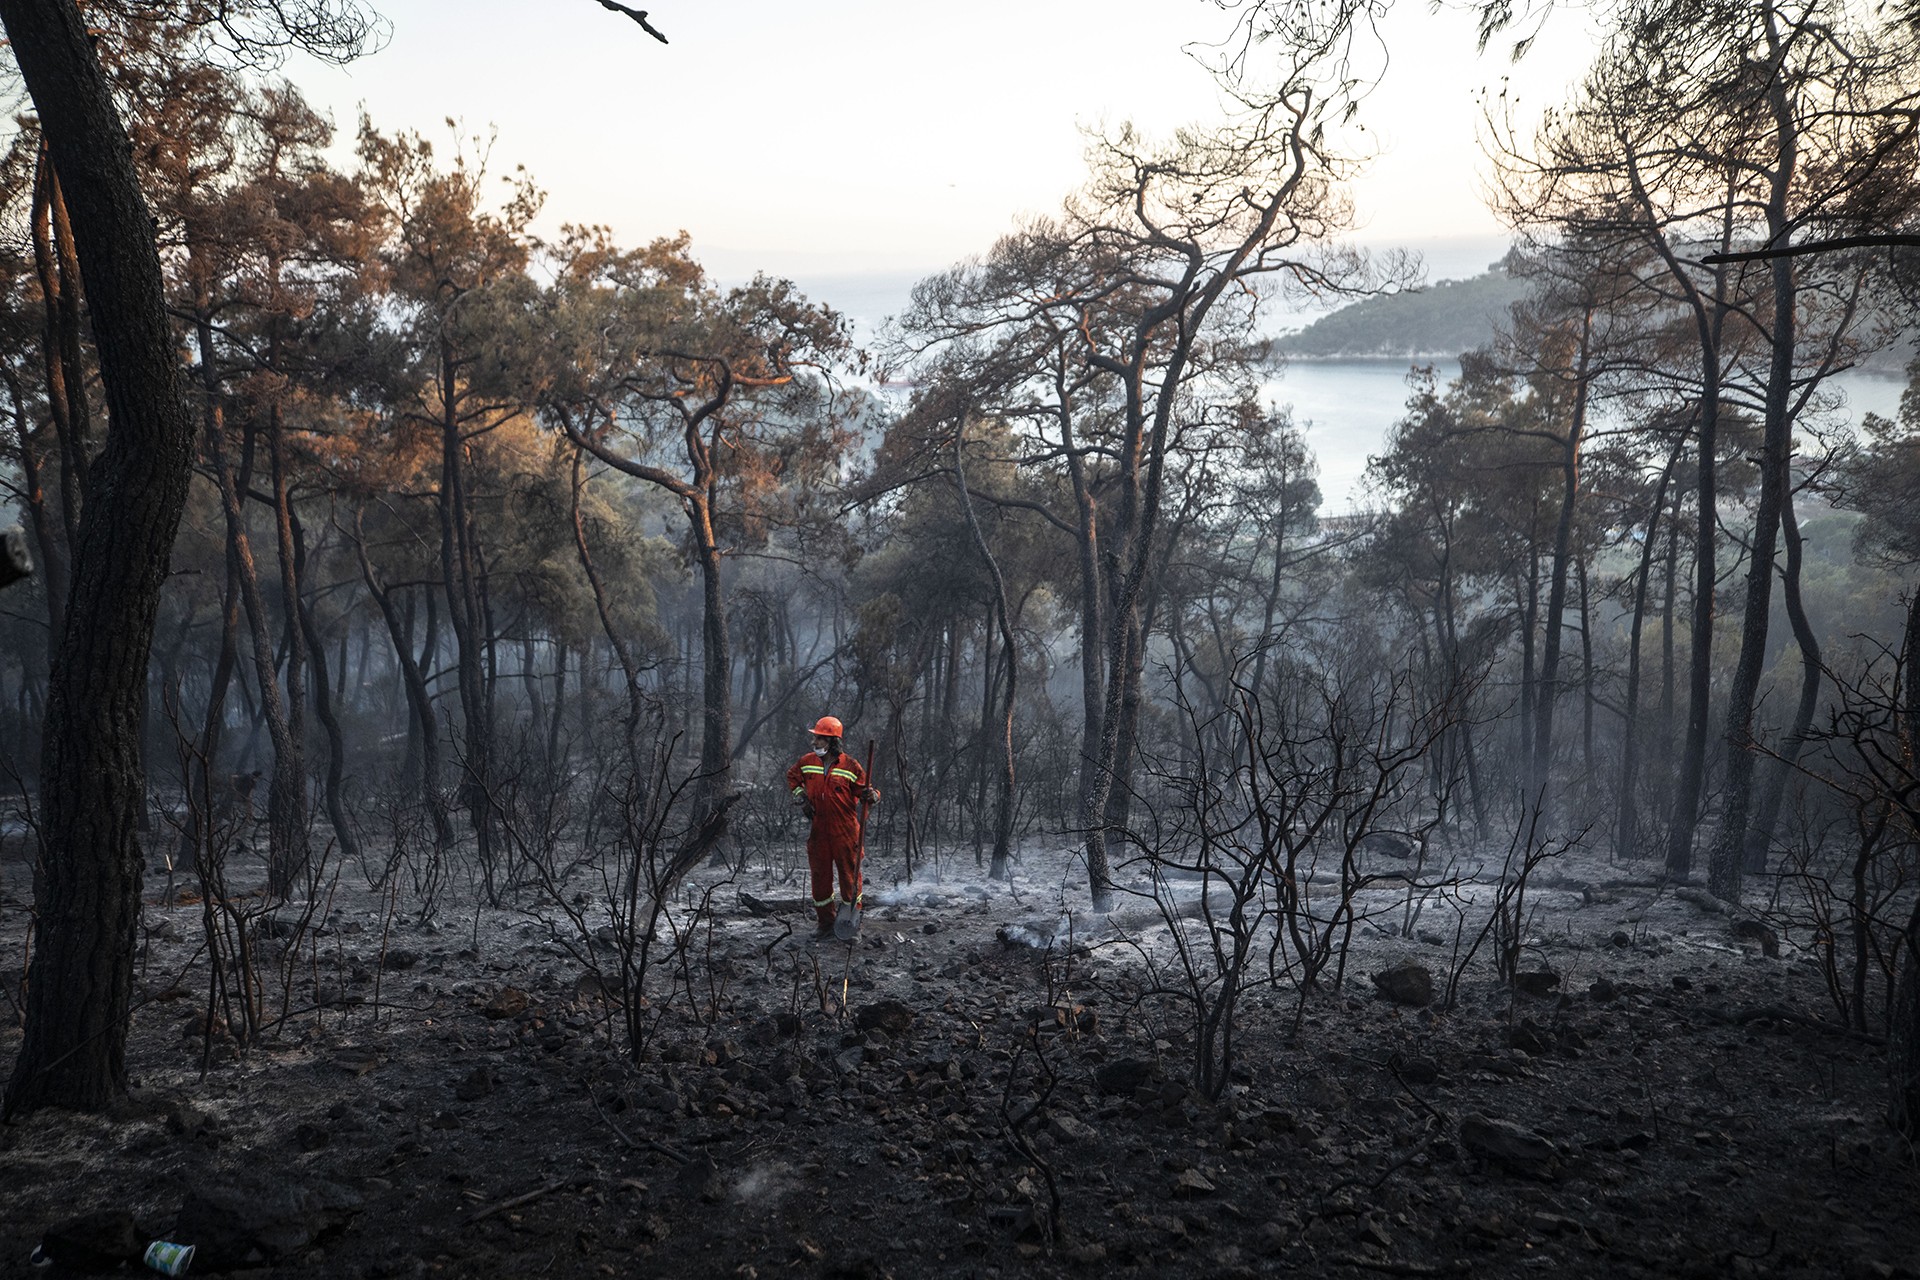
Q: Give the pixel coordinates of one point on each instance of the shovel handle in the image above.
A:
(865, 805)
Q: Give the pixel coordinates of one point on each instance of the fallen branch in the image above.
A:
(1704, 900)
(1780, 1013)
(1405, 1268)
(508, 1205)
(761, 907)
(638, 1144)
(1412, 1093)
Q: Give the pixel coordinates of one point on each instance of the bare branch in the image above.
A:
(638, 15)
(1816, 246)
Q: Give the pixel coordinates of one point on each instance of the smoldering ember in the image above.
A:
(521, 757)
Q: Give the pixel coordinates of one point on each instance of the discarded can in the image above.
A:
(169, 1259)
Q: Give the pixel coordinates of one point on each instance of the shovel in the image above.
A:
(846, 925)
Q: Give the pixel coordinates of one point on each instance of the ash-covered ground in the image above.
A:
(991, 1081)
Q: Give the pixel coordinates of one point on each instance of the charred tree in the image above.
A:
(80, 980)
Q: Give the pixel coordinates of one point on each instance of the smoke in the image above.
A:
(764, 1185)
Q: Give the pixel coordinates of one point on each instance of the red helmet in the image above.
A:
(828, 727)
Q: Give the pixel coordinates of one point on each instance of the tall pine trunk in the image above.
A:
(712, 796)
(292, 816)
(286, 790)
(87, 895)
(1540, 779)
(1903, 1038)
(466, 613)
(323, 706)
(1727, 862)
(56, 264)
(1627, 822)
(629, 671)
(1779, 770)
(419, 701)
(1006, 778)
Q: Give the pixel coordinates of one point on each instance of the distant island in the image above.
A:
(1448, 317)
(1441, 320)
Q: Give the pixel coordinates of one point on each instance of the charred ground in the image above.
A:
(1681, 1103)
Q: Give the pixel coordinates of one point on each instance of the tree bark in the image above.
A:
(1728, 857)
(629, 671)
(323, 705)
(1007, 779)
(1119, 810)
(59, 275)
(295, 816)
(80, 980)
(1627, 823)
(989, 679)
(1540, 780)
(1529, 626)
(1693, 755)
(415, 681)
(1587, 700)
(1709, 321)
(200, 815)
(286, 793)
(716, 687)
(1903, 1038)
(711, 798)
(559, 701)
(1779, 772)
(1092, 597)
(466, 613)
(1670, 583)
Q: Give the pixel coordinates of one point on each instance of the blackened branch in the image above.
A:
(638, 15)
(1815, 246)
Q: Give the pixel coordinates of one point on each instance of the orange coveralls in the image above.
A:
(832, 791)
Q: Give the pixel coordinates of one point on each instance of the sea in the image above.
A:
(1346, 408)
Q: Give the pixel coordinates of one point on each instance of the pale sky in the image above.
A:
(848, 137)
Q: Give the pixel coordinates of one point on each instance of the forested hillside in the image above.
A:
(1444, 318)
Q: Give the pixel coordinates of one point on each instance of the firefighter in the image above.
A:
(829, 785)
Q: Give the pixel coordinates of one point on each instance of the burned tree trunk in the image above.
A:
(1007, 779)
(58, 272)
(80, 981)
(712, 797)
(286, 793)
(1903, 1039)
(418, 699)
(466, 611)
(1779, 771)
(1627, 827)
(1547, 696)
(323, 701)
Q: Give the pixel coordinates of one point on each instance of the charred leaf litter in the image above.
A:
(992, 1081)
